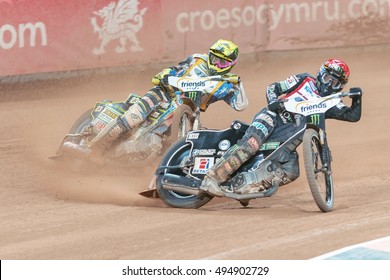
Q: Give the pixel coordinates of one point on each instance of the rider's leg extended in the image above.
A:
(135, 115)
(261, 127)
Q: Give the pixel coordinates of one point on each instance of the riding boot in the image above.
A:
(228, 164)
(99, 144)
(261, 127)
(109, 134)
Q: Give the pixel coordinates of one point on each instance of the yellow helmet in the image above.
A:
(223, 56)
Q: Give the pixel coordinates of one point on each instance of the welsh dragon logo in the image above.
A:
(120, 21)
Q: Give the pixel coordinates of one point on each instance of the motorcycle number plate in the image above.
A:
(202, 164)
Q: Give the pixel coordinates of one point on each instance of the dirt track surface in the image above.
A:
(48, 212)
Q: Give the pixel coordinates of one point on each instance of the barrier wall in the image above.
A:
(46, 35)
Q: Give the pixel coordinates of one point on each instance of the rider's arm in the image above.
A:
(158, 78)
(275, 90)
(235, 94)
(172, 71)
(343, 113)
(237, 98)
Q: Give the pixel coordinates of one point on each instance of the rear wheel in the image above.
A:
(173, 157)
(318, 170)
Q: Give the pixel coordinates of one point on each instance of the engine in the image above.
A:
(267, 174)
(132, 151)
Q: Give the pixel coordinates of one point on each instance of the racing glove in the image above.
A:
(162, 77)
(358, 93)
(232, 78)
(276, 106)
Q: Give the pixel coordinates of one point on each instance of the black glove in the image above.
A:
(357, 93)
(276, 106)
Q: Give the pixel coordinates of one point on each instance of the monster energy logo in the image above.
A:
(192, 95)
(315, 119)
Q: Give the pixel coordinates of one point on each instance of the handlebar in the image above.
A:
(335, 95)
(216, 78)
(279, 104)
(343, 94)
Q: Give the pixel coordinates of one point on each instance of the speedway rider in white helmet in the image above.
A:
(331, 78)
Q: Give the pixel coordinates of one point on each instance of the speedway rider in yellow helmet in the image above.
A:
(222, 57)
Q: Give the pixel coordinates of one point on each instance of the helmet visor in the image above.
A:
(220, 62)
(334, 82)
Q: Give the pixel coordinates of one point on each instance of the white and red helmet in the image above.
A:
(332, 76)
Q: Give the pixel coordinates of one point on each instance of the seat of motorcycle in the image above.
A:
(283, 132)
(280, 134)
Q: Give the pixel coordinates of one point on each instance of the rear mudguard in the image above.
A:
(220, 140)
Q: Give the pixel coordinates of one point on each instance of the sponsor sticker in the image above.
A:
(266, 118)
(155, 114)
(99, 108)
(228, 167)
(271, 92)
(237, 125)
(149, 101)
(164, 105)
(313, 108)
(202, 164)
(99, 125)
(315, 119)
(203, 152)
(192, 136)
(313, 87)
(110, 113)
(224, 145)
(307, 90)
(291, 81)
(191, 85)
(260, 126)
(269, 146)
(253, 143)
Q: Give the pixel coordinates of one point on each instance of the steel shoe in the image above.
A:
(211, 186)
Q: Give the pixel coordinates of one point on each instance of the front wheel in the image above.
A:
(173, 157)
(84, 120)
(318, 170)
(75, 164)
(182, 123)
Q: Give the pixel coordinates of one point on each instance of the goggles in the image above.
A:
(220, 62)
(334, 82)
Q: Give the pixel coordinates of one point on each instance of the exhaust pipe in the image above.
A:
(181, 184)
(182, 189)
(191, 186)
